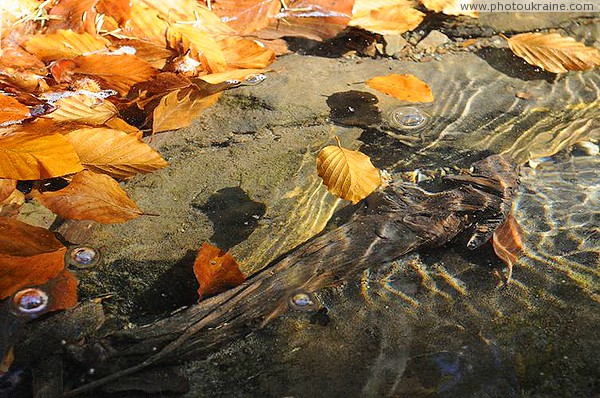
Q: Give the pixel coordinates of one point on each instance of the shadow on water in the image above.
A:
(233, 214)
(504, 61)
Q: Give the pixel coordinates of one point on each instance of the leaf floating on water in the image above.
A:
(114, 152)
(91, 196)
(173, 113)
(386, 17)
(216, 271)
(404, 87)
(348, 174)
(508, 243)
(26, 156)
(20, 239)
(450, 7)
(553, 52)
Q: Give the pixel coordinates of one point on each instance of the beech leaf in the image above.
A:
(508, 243)
(64, 44)
(11, 110)
(173, 113)
(91, 196)
(553, 52)
(201, 46)
(450, 7)
(20, 239)
(83, 109)
(386, 17)
(114, 152)
(26, 156)
(216, 271)
(7, 187)
(348, 174)
(404, 87)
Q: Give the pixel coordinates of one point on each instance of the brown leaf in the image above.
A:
(19, 272)
(20, 239)
(64, 44)
(449, 7)
(553, 52)
(155, 54)
(114, 152)
(386, 17)
(216, 271)
(62, 290)
(91, 196)
(348, 174)
(6, 188)
(173, 113)
(82, 108)
(11, 205)
(11, 110)
(404, 87)
(26, 156)
(508, 243)
(117, 72)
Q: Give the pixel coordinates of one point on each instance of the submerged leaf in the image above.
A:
(347, 174)
(404, 87)
(20, 239)
(91, 196)
(114, 152)
(7, 187)
(216, 271)
(553, 52)
(173, 113)
(508, 243)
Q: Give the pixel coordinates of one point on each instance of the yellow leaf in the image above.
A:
(173, 113)
(114, 152)
(84, 109)
(201, 45)
(64, 44)
(234, 74)
(553, 52)
(449, 7)
(347, 174)
(91, 196)
(404, 87)
(386, 17)
(26, 156)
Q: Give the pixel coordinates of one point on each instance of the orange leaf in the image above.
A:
(234, 74)
(6, 188)
(247, 16)
(404, 87)
(117, 72)
(11, 110)
(62, 291)
(83, 108)
(64, 44)
(78, 15)
(120, 10)
(20, 239)
(155, 54)
(26, 156)
(19, 272)
(91, 196)
(386, 17)
(508, 242)
(216, 271)
(201, 46)
(449, 7)
(114, 152)
(173, 113)
(245, 54)
(22, 70)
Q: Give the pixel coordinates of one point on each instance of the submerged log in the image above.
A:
(388, 224)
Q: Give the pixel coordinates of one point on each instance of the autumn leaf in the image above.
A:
(83, 108)
(155, 54)
(247, 16)
(507, 242)
(173, 113)
(201, 46)
(553, 52)
(386, 17)
(348, 174)
(6, 188)
(78, 15)
(19, 272)
(404, 87)
(91, 196)
(62, 291)
(117, 72)
(216, 271)
(20, 239)
(234, 74)
(11, 110)
(64, 44)
(114, 152)
(26, 156)
(245, 54)
(12, 204)
(450, 7)
(21, 69)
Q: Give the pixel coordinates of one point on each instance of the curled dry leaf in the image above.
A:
(173, 113)
(216, 271)
(11, 110)
(553, 52)
(26, 156)
(91, 196)
(64, 44)
(347, 174)
(82, 108)
(20, 239)
(508, 243)
(404, 87)
(114, 152)
(19, 272)
(386, 17)
(450, 7)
